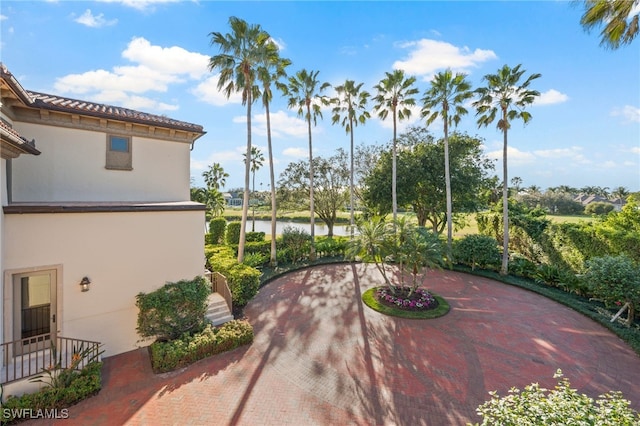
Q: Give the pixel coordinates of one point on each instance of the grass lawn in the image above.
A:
(470, 227)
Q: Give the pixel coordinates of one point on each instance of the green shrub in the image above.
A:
(233, 232)
(178, 353)
(173, 309)
(522, 267)
(331, 246)
(297, 242)
(217, 227)
(262, 247)
(598, 208)
(243, 281)
(254, 237)
(615, 280)
(477, 250)
(560, 406)
(255, 260)
(83, 384)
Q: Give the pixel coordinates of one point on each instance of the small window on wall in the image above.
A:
(119, 153)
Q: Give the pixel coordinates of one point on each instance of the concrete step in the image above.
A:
(217, 310)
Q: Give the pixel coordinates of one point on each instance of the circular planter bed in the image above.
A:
(420, 305)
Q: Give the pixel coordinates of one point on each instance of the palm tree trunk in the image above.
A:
(505, 204)
(351, 220)
(273, 260)
(253, 207)
(312, 249)
(447, 176)
(247, 174)
(394, 195)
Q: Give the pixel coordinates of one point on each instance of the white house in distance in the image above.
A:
(94, 211)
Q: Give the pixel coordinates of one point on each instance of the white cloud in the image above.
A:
(573, 153)
(629, 113)
(550, 97)
(207, 91)
(635, 149)
(172, 60)
(514, 156)
(426, 57)
(94, 21)
(3, 17)
(155, 68)
(140, 4)
(281, 124)
(295, 152)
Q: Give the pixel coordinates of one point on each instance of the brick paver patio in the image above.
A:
(321, 357)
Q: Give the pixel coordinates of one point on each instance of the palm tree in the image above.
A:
(504, 98)
(268, 73)
(353, 103)
(215, 177)
(444, 99)
(243, 50)
(257, 161)
(619, 18)
(395, 96)
(303, 90)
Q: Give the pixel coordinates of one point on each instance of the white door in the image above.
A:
(34, 318)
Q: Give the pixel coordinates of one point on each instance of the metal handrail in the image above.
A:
(17, 365)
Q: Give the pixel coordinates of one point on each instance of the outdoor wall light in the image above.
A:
(84, 284)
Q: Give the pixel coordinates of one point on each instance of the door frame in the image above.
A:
(9, 300)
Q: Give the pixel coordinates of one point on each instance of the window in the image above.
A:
(119, 153)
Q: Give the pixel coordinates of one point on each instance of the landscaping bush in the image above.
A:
(598, 208)
(233, 232)
(217, 228)
(477, 250)
(254, 237)
(168, 356)
(615, 281)
(243, 281)
(297, 242)
(560, 406)
(83, 384)
(174, 309)
(331, 246)
(262, 247)
(256, 260)
(522, 267)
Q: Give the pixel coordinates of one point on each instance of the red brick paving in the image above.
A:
(320, 357)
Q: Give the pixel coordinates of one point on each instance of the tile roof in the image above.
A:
(75, 106)
(63, 104)
(13, 138)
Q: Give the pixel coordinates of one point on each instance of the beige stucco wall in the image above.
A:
(71, 167)
(122, 253)
(3, 202)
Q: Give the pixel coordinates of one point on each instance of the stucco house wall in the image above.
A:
(123, 254)
(71, 167)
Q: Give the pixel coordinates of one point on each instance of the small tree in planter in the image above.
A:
(413, 249)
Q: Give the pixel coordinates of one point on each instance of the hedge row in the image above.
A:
(178, 353)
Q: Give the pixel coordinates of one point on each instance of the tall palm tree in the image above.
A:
(257, 161)
(444, 99)
(243, 50)
(503, 97)
(303, 90)
(270, 72)
(352, 102)
(619, 18)
(395, 96)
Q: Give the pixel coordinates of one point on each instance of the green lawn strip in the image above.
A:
(582, 305)
(369, 299)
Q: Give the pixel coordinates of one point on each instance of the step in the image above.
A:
(217, 310)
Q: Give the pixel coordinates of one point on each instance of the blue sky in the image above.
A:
(153, 55)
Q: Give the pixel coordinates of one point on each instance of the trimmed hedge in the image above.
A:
(87, 382)
(168, 356)
(173, 309)
(233, 233)
(217, 228)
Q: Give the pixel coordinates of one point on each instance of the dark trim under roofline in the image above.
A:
(40, 208)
